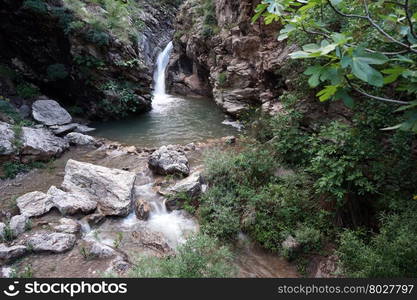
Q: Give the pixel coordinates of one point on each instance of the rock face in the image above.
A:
(76, 138)
(2, 231)
(167, 160)
(235, 60)
(6, 139)
(49, 112)
(8, 254)
(112, 189)
(51, 242)
(76, 66)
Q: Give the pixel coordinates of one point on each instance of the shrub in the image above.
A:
(27, 91)
(200, 257)
(121, 99)
(38, 6)
(222, 79)
(391, 253)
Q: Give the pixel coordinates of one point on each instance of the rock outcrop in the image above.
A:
(60, 47)
(18, 224)
(229, 58)
(168, 160)
(112, 189)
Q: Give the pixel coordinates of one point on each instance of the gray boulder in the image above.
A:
(6, 139)
(76, 138)
(67, 226)
(112, 189)
(191, 186)
(83, 129)
(18, 224)
(51, 242)
(24, 111)
(8, 254)
(71, 203)
(142, 209)
(49, 112)
(167, 160)
(34, 204)
(41, 143)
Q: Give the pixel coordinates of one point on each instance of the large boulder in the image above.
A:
(41, 143)
(71, 203)
(6, 139)
(51, 242)
(8, 254)
(76, 138)
(49, 112)
(37, 203)
(167, 160)
(112, 189)
(18, 224)
(34, 204)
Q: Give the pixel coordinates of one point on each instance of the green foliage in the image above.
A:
(121, 98)
(12, 168)
(27, 272)
(38, 6)
(27, 91)
(7, 109)
(222, 79)
(200, 257)
(210, 27)
(57, 72)
(363, 49)
(391, 253)
(100, 38)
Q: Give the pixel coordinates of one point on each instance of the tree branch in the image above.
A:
(360, 91)
(408, 16)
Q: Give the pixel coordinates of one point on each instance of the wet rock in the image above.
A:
(70, 203)
(83, 129)
(167, 160)
(34, 204)
(49, 112)
(18, 224)
(142, 209)
(190, 186)
(67, 226)
(63, 129)
(8, 254)
(51, 242)
(112, 189)
(76, 138)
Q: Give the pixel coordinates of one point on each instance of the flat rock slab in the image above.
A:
(50, 113)
(112, 189)
(76, 138)
(54, 242)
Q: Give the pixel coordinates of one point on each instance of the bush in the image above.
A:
(122, 98)
(391, 253)
(27, 91)
(38, 6)
(200, 257)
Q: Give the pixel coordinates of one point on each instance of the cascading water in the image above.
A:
(161, 100)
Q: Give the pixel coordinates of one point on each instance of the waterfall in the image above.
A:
(159, 75)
